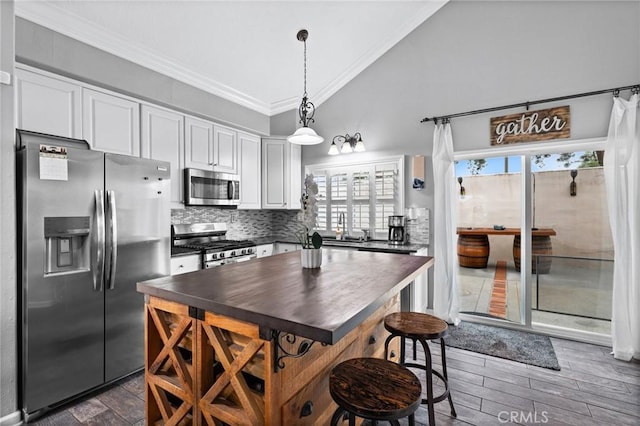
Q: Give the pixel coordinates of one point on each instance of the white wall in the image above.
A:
(8, 347)
(581, 222)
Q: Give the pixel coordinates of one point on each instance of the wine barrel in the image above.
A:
(473, 251)
(539, 245)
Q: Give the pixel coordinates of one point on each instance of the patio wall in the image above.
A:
(581, 222)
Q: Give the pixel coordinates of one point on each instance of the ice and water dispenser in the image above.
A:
(68, 244)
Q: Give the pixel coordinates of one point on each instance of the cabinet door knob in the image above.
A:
(307, 409)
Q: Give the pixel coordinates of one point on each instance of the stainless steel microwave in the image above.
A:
(207, 188)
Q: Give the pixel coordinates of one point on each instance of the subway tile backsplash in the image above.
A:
(242, 224)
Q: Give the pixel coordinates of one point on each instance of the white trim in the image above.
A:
(13, 419)
(369, 161)
(5, 78)
(592, 144)
(544, 329)
(78, 28)
(572, 334)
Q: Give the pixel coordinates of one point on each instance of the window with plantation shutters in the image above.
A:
(321, 181)
(366, 193)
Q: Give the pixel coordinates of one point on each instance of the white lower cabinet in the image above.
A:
(264, 250)
(184, 264)
(285, 247)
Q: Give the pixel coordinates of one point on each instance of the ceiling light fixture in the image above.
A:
(349, 144)
(305, 135)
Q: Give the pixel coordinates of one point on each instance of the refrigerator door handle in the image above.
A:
(113, 227)
(98, 241)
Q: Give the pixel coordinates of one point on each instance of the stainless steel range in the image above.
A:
(210, 240)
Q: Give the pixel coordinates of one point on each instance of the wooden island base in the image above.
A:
(203, 368)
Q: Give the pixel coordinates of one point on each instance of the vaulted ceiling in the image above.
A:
(243, 51)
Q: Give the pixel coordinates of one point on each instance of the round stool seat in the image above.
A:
(375, 389)
(415, 325)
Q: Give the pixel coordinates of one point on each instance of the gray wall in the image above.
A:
(8, 346)
(40, 47)
(473, 55)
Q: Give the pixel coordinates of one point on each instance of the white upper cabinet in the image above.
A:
(163, 139)
(249, 147)
(209, 146)
(111, 123)
(198, 147)
(281, 174)
(225, 150)
(48, 105)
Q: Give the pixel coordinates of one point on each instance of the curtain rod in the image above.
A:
(615, 91)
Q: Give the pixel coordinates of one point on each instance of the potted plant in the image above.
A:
(311, 241)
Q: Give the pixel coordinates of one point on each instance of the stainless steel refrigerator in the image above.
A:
(93, 224)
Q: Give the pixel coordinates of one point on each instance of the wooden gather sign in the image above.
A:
(531, 126)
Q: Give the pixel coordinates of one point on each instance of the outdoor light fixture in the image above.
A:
(305, 135)
(349, 144)
(573, 186)
(462, 190)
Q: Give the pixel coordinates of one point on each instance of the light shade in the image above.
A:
(305, 136)
(359, 146)
(333, 149)
(346, 148)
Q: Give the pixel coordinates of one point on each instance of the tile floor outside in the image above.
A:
(563, 293)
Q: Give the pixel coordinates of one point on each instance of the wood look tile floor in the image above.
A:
(592, 388)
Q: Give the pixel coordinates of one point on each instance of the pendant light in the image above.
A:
(305, 135)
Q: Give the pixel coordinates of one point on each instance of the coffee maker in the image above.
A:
(396, 230)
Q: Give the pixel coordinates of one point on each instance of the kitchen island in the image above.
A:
(253, 343)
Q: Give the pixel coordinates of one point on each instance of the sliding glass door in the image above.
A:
(572, 285)
(534, 245)
(489, 220)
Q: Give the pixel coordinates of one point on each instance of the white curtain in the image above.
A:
(446, 303)
(622, 181)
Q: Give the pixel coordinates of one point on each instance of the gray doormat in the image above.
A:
(515, 345)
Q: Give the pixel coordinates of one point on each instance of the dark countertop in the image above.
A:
(372, 245)
(183, 251)
(276, 293)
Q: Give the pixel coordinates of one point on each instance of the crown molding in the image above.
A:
(78, 28)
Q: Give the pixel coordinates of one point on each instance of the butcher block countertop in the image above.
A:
(276, 293)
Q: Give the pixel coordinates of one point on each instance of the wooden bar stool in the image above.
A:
(374, 389)
(421, 327)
